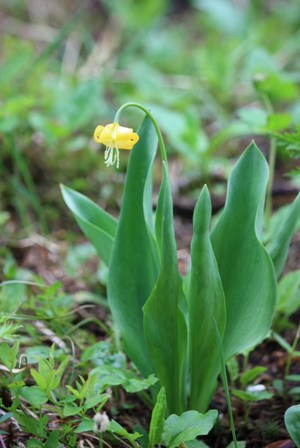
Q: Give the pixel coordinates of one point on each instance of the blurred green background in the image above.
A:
(215, 73)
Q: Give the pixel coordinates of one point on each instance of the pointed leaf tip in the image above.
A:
(246, 270)
(256, 152)
(202, 212)
(97, 225)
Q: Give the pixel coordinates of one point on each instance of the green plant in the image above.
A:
(72, 403)
(37, 379)
(232, 278)
(282, 385)
(272, 87)
(177, 430)
(48, 108)
(292, 423)
(288, 300)
(249, 392)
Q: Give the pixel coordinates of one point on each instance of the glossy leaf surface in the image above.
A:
(107, 376)
(186, 427)
(134, 262)
(279, 246)
(206, 302)
(292, 422)
(158, 419)
(245, 267)
(97, 225)
(163, 321)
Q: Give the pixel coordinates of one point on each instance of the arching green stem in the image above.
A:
(147, 112)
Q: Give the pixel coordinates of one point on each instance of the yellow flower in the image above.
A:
(114, 137)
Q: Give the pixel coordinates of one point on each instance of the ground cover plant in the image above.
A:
(165, 318)
(230, 290)
(77, 369)
(52, 86)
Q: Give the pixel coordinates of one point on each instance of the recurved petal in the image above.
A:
(97, 134)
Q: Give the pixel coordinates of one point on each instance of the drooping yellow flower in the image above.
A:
(114, 137)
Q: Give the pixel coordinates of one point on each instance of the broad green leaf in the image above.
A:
(134, 263)
(250, 375)
(86, 424)
(8, 354)
(108, 376)
(115, 428)
(36, 353)
(279, 246)
(97, 225)
(292, 423)
(163, 320)
(71, 409)
(52, 440)
(294, 391)
(277, 87)
(103, 353)
(289, 293)
(11, 297)
(186, 427)
(206, 302)
(158, 419)
(196, 444)
(98, 400)
(252, 396)
(138, 384)
(34, 395)
(245, 267)
(293, 377)
(232, 366)
(278, 122)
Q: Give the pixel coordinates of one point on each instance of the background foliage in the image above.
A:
(212, 72)
(215, 73)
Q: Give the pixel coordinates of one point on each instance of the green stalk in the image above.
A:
(158, 132)
(225, 383)
(291, 353)
(272, 161)
(245, 361)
